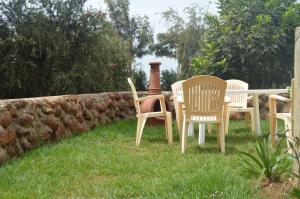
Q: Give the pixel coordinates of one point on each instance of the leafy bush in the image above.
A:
(58, 47)
(140, 79)
(268, 162)
(168, 77)
(55, 47)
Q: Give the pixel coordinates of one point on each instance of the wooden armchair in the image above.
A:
(204, 103)
(285, 116)
(142, 117)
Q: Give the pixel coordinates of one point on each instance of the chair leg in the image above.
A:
(221, 137)
(248, 118)
(289, 136)
(201, 133)
(184, 136)
(226, 124)
(140, 127)
(273, 124)
(252, 120)
(168, 121)
(273, 120)
(209, 128)
(191, 130)
(166, 126)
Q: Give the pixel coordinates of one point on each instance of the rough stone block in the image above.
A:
(7, 137)
(52, 122)
(26, 119)
(5, 119)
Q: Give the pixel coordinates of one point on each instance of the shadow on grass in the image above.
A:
(232, 139)
(214, 150)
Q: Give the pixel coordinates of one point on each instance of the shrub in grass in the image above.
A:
(266, 162)
(294, 144)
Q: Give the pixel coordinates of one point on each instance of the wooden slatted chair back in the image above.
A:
(204, 98)
(176, 87)
(237, 100)
(135, 96)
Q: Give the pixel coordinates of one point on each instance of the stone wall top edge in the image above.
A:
(58, 97)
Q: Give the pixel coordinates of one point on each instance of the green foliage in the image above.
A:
(270, 163)
(58, 47)
(250, 40)
(295, 193)
(181, 39)
(168, 77)
(140, 79)
(136, 30)
(294, 143)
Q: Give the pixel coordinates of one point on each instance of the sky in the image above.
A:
(153, 9)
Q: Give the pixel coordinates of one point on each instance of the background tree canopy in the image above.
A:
(181, 41)
(58, 47)
(135, 30)
(250, 40)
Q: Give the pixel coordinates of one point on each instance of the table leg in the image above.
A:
(256, 114)
(180, 120)
(191, 130)
(201, 133)
(225, 116)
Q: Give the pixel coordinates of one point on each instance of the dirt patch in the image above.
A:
(276, 190)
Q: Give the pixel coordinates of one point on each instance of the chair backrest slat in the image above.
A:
(237, 100)
(204, 96)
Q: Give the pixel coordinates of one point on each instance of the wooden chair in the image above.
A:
(204, 103)
(239, 102)
(176, 88)
(142, 117)
(285, 116)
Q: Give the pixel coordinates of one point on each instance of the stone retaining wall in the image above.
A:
(28, 123)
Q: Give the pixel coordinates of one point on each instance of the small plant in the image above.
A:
(267, 162)
(294, 143)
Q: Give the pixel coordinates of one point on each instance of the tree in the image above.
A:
(250, 40)
(181, 39)
(168, 77)
(58, 47)
(135, 30)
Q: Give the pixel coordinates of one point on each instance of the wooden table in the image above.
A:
(254, 92)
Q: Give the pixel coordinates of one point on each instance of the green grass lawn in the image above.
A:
(105, 163)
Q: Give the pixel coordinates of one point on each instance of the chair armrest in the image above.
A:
(151, 97)
(161, 99)
(280, 98)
